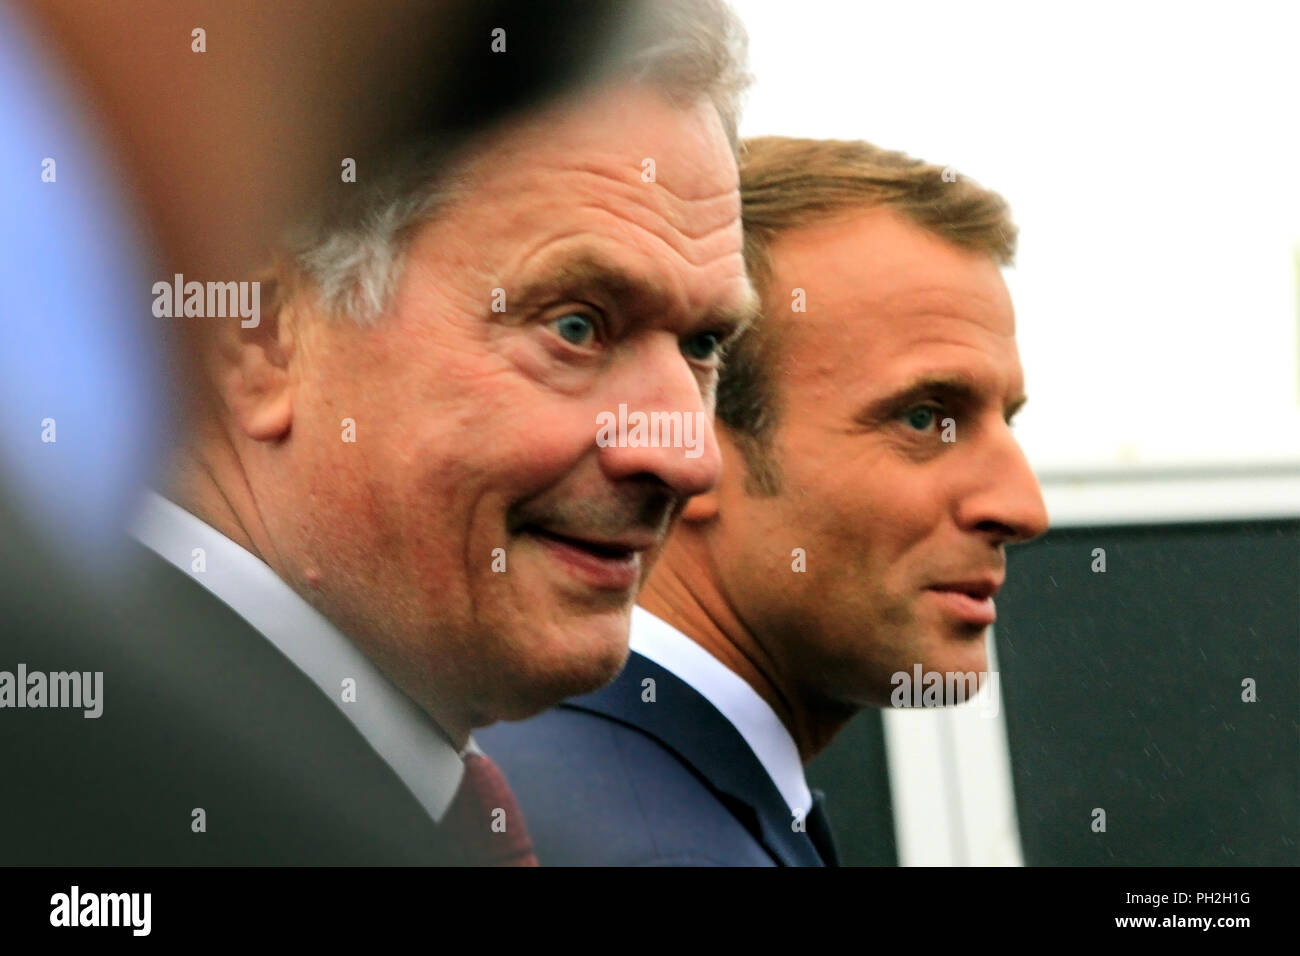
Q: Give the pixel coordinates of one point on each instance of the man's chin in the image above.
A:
(573, 659)
(880, 684)
(946, 658)
(959, 654)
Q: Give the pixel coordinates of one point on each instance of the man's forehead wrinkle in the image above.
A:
(542, 258)
(697, 239)
(705, 239)
(695, 218)
(693, 215)
(629, 171)
(698, 254)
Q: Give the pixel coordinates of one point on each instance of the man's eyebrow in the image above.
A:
(592, 274)
(634, 294)
(954, 386)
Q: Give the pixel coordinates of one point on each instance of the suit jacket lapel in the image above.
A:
(682, 720)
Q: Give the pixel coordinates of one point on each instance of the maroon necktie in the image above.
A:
(483, 822)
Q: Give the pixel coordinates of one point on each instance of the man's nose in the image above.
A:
(1003, 498)
(658, 424)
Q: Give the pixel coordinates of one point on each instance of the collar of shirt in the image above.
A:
(393, 724)
(734, 698)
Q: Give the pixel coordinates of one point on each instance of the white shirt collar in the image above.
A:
(734, 698)
(393, 724)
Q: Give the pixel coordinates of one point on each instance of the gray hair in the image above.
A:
(352, 257)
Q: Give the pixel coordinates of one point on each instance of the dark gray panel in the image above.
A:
(855, 776)
(1123, 690)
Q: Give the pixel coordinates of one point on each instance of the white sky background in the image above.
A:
(1150, 152)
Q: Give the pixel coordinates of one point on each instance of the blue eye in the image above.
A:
(701, 347)
(921, 417)
(574, 328)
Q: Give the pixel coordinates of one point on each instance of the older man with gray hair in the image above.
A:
(391, 488)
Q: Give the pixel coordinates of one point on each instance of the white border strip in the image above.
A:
(1167, 496)
(950, 780)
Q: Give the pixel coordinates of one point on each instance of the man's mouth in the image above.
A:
(604, 563)
(971, 600)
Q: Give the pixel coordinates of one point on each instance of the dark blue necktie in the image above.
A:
(819, 830)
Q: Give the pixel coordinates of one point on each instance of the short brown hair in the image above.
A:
(787, 184)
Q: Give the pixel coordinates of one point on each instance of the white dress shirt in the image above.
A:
(734, 698)
(400, 732)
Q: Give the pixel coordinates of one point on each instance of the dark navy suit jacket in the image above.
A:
(613, 779)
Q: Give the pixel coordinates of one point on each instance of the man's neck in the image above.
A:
(208, 481)
(702, 613)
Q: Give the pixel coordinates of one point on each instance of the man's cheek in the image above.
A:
(552, 439)
(524, 359)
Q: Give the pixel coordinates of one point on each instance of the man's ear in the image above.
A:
(701, 508)
(704, 508)
(253, 366)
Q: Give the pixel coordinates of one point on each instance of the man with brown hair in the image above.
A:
(870, 485)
